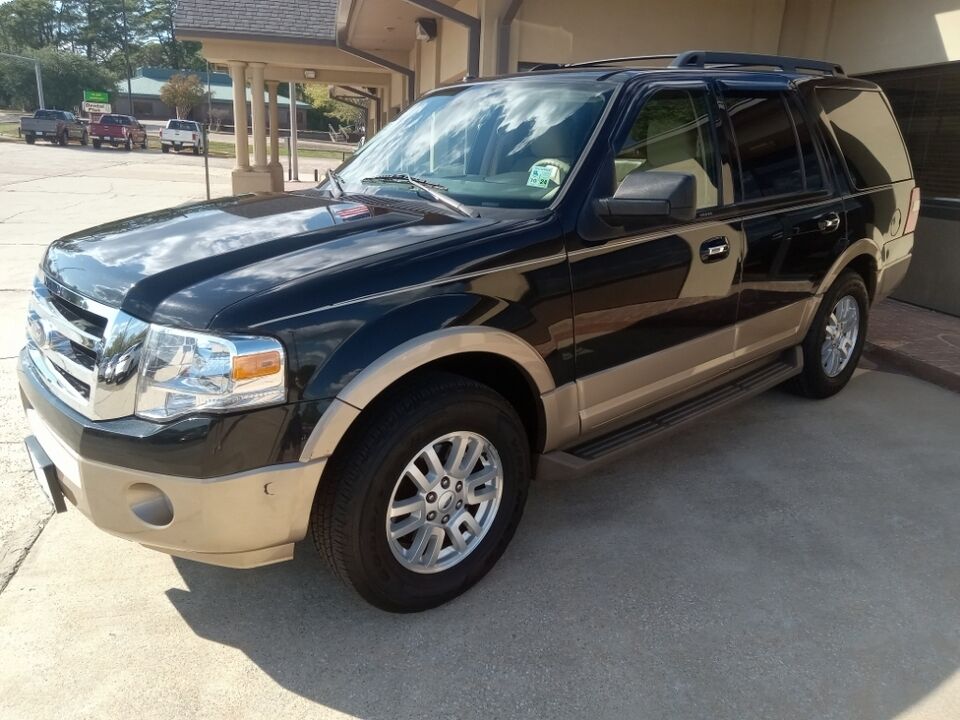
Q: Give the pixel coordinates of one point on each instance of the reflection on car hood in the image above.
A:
(196, 259)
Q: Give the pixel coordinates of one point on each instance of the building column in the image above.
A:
(238, 74)
(257, 89)
(276, 169)
(294, 166)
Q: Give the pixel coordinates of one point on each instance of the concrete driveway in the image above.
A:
(783, 559)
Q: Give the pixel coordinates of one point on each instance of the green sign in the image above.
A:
(97, 96)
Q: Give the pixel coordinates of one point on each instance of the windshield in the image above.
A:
(182, 125)
(508, 144)
(114, 120)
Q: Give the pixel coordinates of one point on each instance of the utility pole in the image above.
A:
(126, 54)
(36, 70)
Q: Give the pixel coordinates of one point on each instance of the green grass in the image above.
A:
(9, 128)
(226, 150)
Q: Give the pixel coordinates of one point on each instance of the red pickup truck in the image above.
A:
(118, 130)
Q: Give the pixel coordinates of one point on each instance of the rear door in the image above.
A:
(655, 304)
(793, 221)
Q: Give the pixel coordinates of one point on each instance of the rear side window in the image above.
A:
(776, 152)
(868, 136)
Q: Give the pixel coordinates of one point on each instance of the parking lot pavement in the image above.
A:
(783, 559)
(46, 192)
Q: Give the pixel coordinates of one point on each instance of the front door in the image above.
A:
(655, 305)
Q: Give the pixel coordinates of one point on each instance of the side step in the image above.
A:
(624, 439)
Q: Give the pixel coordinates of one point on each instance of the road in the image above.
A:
(782, 559)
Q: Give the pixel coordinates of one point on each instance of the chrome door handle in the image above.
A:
(715, 249)
(828, 223)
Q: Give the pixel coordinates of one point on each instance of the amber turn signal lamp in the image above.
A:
(248, 367)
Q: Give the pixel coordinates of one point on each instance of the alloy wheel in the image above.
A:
(842, 332)
(444, 502)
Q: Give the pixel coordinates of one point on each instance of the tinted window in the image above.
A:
(182, 125)
(867, 135)
(672, 133)
(770, 162)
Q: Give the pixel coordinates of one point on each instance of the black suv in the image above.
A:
(523, 274)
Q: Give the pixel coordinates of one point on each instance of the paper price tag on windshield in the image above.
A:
(541, 175)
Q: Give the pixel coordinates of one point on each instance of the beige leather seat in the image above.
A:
(673, 149)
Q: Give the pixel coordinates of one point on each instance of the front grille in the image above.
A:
(70, 338)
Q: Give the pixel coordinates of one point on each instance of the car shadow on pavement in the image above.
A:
(781, 559)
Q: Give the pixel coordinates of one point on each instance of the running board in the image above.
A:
(622, 440)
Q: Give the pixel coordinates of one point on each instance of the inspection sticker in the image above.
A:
(541, 175)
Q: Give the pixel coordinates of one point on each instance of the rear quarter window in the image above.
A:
(868, 136)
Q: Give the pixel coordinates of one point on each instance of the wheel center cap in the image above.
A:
(446, 501)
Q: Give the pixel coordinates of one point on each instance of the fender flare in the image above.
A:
(864, 246)
(419, 351)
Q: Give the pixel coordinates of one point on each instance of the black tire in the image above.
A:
(164, 148)
(128, 145)
(143, 145)
(63, 139)
(814, 382)
(96, 144)
(30, 139)
(84, 140)
(196, 150)
(349, 513)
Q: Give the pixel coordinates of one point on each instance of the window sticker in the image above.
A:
(541, 175)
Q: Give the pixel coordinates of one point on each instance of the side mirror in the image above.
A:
(650, 194)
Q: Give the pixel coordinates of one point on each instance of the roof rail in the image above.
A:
(702, 58)
(604, 61)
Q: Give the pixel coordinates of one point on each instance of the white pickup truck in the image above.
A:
(180, 135)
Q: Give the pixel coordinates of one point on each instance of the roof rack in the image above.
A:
(601, 62)
(703, 58)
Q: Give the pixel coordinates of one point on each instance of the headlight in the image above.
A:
(183, 372)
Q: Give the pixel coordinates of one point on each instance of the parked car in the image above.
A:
(181, 135)
(118, 131)
(57, 126)
(524, 274)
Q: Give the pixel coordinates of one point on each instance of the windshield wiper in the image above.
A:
(336, 183)
(432, 189)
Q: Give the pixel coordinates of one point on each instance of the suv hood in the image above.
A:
(182, 265)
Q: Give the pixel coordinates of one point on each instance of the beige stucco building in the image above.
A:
(395, 50)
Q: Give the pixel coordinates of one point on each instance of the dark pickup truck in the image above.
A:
(520, 275)
(57, 126)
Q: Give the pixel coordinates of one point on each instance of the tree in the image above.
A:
(65, 77)
(155, 26)
(327, 110)
(28, 24)
(183, 92)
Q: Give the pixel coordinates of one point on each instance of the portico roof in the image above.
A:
(311, 21)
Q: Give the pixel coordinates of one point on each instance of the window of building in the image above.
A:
(926, 103)
(672, 133)
(867, 135)
(777, 157)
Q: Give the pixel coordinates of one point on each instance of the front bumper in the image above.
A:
(241, 520)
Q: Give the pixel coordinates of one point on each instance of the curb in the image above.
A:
(912, 366)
